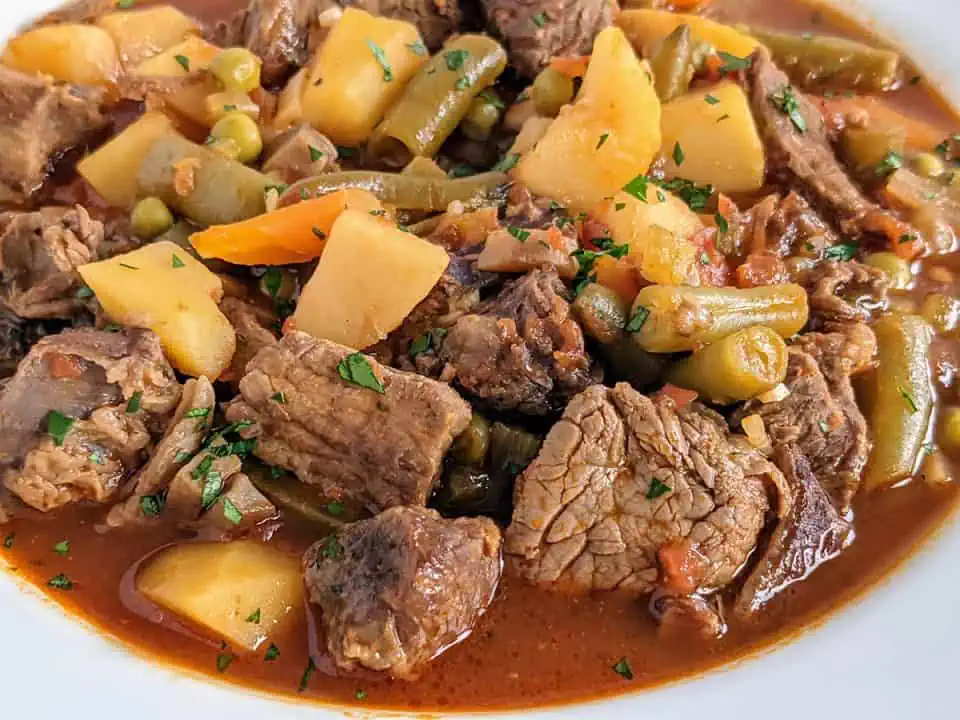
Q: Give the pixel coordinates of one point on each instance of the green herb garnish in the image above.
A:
(152, 505)
(637, 320)
(62, 547)
(841, 251)
(231, 512)
(623, 669)
(788, 103)
(356, 368)
(60, 582)
(58, 426)
(519, 233)
(382, 60)
(657, 489)
(455, 58)
(133, 405)
(732, 63)
(183, 61)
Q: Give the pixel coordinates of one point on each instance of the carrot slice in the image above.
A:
(573, 66)
(292, 234)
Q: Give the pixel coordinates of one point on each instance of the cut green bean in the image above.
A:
(818, 61)
(551, 91)
(899, 395)
(738, 367)
(437, 99)
(687, 318)
(602, 313)
(471, 447)
(672, 64)
(408, 192)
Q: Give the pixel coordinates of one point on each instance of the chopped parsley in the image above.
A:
(335, 508)
(944, 147)
(84, 292)
(732, 63)
(519, 233)
(841, 251)
(909, 237)
(430, 339)
(279, 398)
(657, 489)
(638, 187)
(307, 674)
(492, 98)
(230, 108)
(459, 170)
(891, 162)
(602, 140)
(112, 328)
(382, 60)
(58, 426)
(619, 206)
(126, 4)
(128, 267)
(678, 156)
(224, 660)
(212, 487)
(788, 103)
(722, 224)
(254, 617)
(279, 189)
(273, 652)
(315, 154)
(197, 412)
(152, 505)
(345, 152)
(695, 196)
(540, 19)
(908, 399)
(417, 48)
(507, 163)
(360, 694)
(62, 547)
(177, 262)
(9, 540)
(96, 456)
(462, 83)
(823, 426)
(232, 513)
(455, 58)
(304, 194)
(182, 456)
(332, 549)
(638, 319)
(133, 405)
(711, 100)
(183, 61)
(273, 281)
(356, 368)
(321, 235)
(623, 669)
(60, 582)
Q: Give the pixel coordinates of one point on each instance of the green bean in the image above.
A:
(462, 488)
(602, 313)
(894, 266)
(481, 118)
(672, 64)
(409, 192)
(511, 448)
(817, 61)
(303, 501)
(437, 98)
(899, 395)
(551, 91)
(686, 318)
(626, 360)
(736, 368)
(864, 149)
(201, 184)
(472, 445)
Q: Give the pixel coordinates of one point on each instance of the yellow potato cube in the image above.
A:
(191, 55)
(83, 54)
(141, 34)
(112, 169)
(244, 591)
(610, 134)
(162, 287)
(369, 278)
(718, 140)
(647, 27)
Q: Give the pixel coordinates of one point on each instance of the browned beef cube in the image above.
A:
(38, 121)
(378, 449)
(398, 589)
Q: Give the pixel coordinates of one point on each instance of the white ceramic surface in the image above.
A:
(892, 656)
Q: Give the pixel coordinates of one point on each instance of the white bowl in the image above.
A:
(893, 655)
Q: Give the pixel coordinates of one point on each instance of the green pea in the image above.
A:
(482, 116)
(242, 130)
(150, 218)
(551, 91)
(237, 69)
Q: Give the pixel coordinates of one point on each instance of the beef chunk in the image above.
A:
(844, 292)
(820, 415)
(298, 153)
(809, 534)
(535, 31)
(39, 256)
(435, 19)
(379, 450)
(40, 120)
(91, 376)
(521, 350)
(279, 32)
(400, 588)
(682, 617)
(254, 327)
(804, 157)
(182, 439)
(553, 248)
(623, 476)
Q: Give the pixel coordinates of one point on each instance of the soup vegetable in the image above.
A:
(469, 355)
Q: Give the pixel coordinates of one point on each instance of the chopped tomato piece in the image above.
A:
(573, 66)
(682, 567)
(680, 396)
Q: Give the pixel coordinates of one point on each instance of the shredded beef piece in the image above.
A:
(535, 31)
(808, 534)
(181, 440)
(39, 256)
(521, 350)
(682, 617)
(400, 588)
(41, 120)
(844, 292)
(279, 32)
(298, 153)
(622, 477)
(379, 450)
(820, 415)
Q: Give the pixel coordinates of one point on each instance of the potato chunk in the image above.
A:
(646, 27)
(141, 34)
(610, 135)
(370, 276)
(359, 73)
(243, 591)
(163, 288)
(82, 54)
(718, 140)
(191, 55)
(112, 170)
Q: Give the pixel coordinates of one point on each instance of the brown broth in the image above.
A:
(533, 647)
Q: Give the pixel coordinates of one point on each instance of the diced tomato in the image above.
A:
(682, 567)
(573, 66)
(761, 269)
(711, 263)
(64, 367)
(680, 396)
(902, 238)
